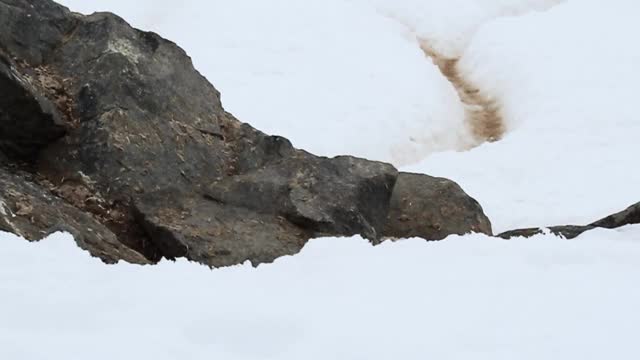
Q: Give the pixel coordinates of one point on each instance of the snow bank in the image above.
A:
(470, 297)
(338, 76)
(449, 25)
(566, 81)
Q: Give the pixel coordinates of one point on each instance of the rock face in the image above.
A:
(629, 216)
(110, 133)
(28, 120)
(32, 211)
(432, 208)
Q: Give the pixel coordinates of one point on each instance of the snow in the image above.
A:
(340, 76)
(569, 100)
(451, 24)
(467, 298)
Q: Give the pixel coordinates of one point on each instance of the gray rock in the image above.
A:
(565, 231)
(32, 211)
(115, 131)
(432, 208)
(217, 234)
(630, 215)
(28, 120)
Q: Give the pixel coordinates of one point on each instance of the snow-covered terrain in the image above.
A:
(566, 82)
(465, 298)
(340, 76)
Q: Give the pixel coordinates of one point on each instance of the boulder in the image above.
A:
(109, 132)
(432, 208)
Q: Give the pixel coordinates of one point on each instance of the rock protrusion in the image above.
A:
(629, 216)
(109, 132)
(432, 208)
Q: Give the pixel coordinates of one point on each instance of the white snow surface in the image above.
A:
(566, 81)
(340, 76)
(468, 297)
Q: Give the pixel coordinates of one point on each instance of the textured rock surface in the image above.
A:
(629, 216)
(432, 208)
(110, 133)
(28, 120)
(32, 211)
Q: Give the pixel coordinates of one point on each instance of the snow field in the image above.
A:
(468, 297)
(342, 76)
(566, 88)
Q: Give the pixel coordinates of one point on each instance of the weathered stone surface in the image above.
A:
(32, 211)
(121, 135)
(272, 210)
(31, 30)
(566, 231)
(28, 120)
(217, 234)
(629, 216)
(432, 208)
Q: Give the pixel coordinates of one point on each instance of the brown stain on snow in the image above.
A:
(482, 114)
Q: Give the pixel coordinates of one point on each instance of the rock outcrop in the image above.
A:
(432, 208)
(629, 216)
(108, 132)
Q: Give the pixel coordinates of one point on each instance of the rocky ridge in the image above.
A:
(109, 133)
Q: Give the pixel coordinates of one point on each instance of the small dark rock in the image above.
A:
(629, 216)
(566, 231)
(432, 208)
